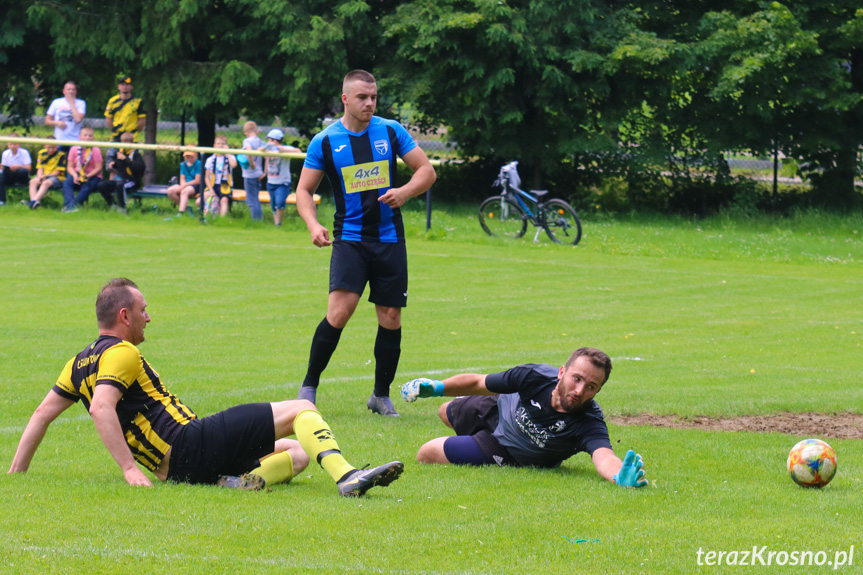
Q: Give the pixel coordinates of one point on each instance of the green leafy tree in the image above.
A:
(547, 82)
(303, 49)
(512, 79)
(764, 77)
(23, 60)
(175, 52)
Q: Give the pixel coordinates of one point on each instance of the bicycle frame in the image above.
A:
(507, 212)
(511, 191)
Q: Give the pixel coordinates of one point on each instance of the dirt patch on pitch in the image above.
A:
(838, 425)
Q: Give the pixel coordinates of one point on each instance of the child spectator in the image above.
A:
(190, 182)
(50, 169)
(128, 167)
(278, 174)
(219, 177)
(84, 169)
(14, 167)
(252, 172)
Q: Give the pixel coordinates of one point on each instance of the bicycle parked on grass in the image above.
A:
(506, 215)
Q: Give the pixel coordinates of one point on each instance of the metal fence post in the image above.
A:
(428, 209)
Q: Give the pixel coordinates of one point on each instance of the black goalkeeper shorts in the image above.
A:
(474, 418)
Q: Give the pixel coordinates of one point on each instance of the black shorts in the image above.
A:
(474, 419)
(383, 266)
(230, 442)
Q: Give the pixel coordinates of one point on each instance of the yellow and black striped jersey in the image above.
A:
(55, 162)
(124, 115)
(150, 415)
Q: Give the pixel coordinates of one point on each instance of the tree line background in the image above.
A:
(625, 103)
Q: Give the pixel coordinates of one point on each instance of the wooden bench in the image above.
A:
(149, 192)
(264, 196)
(237, 195)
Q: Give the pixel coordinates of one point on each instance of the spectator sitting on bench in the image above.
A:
(128, 167)
(84, 168)
(190, 182)
(14, 167)
(50, 169)
(219, 178)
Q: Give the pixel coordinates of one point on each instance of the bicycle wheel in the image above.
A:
(561, 222)
(500, 216)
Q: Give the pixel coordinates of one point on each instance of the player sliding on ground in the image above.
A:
(531, 415)
(137, 418)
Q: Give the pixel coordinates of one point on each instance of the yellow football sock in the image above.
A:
(277, 468)
(317, 440)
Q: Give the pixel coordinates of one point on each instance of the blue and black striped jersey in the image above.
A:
(361, 167)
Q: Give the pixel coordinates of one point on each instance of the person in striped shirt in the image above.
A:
(50, 172)
(358, 154)
(141, 423)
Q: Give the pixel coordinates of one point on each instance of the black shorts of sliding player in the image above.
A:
(230, 442)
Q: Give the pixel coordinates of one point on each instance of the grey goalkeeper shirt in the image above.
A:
(535, 433)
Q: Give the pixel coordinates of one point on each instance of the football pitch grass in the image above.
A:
(716, 317)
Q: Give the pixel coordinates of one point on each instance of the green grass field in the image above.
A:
(716, 317)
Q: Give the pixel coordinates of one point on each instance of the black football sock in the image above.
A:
(388, 348)
(324, 343)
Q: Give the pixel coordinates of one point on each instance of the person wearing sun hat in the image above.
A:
(190, 182)
(278, 172)
(124, 113)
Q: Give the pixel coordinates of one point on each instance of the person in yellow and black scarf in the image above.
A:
(219, 179)
(127, 168)
(50, 172)
(84, 167)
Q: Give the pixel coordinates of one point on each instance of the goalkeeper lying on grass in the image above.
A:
(531, 415)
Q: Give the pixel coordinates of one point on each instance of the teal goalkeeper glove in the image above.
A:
(631, 473)
(421, 387)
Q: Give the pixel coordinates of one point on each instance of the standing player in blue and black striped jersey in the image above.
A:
(358, 154)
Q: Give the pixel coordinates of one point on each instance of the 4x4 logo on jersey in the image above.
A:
(382, 146)
(367, 176)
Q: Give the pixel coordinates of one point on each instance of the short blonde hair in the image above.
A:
(250, 127)
(221, 138)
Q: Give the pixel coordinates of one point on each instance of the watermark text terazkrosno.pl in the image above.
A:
(765, 556)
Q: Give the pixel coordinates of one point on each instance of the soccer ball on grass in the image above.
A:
(812, 463)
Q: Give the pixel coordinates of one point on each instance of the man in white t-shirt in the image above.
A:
(14, 167)
(66, 114)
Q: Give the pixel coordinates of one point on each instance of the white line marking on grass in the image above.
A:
(118, 553)
(57, 422)
(276, 387)
(126, 235)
